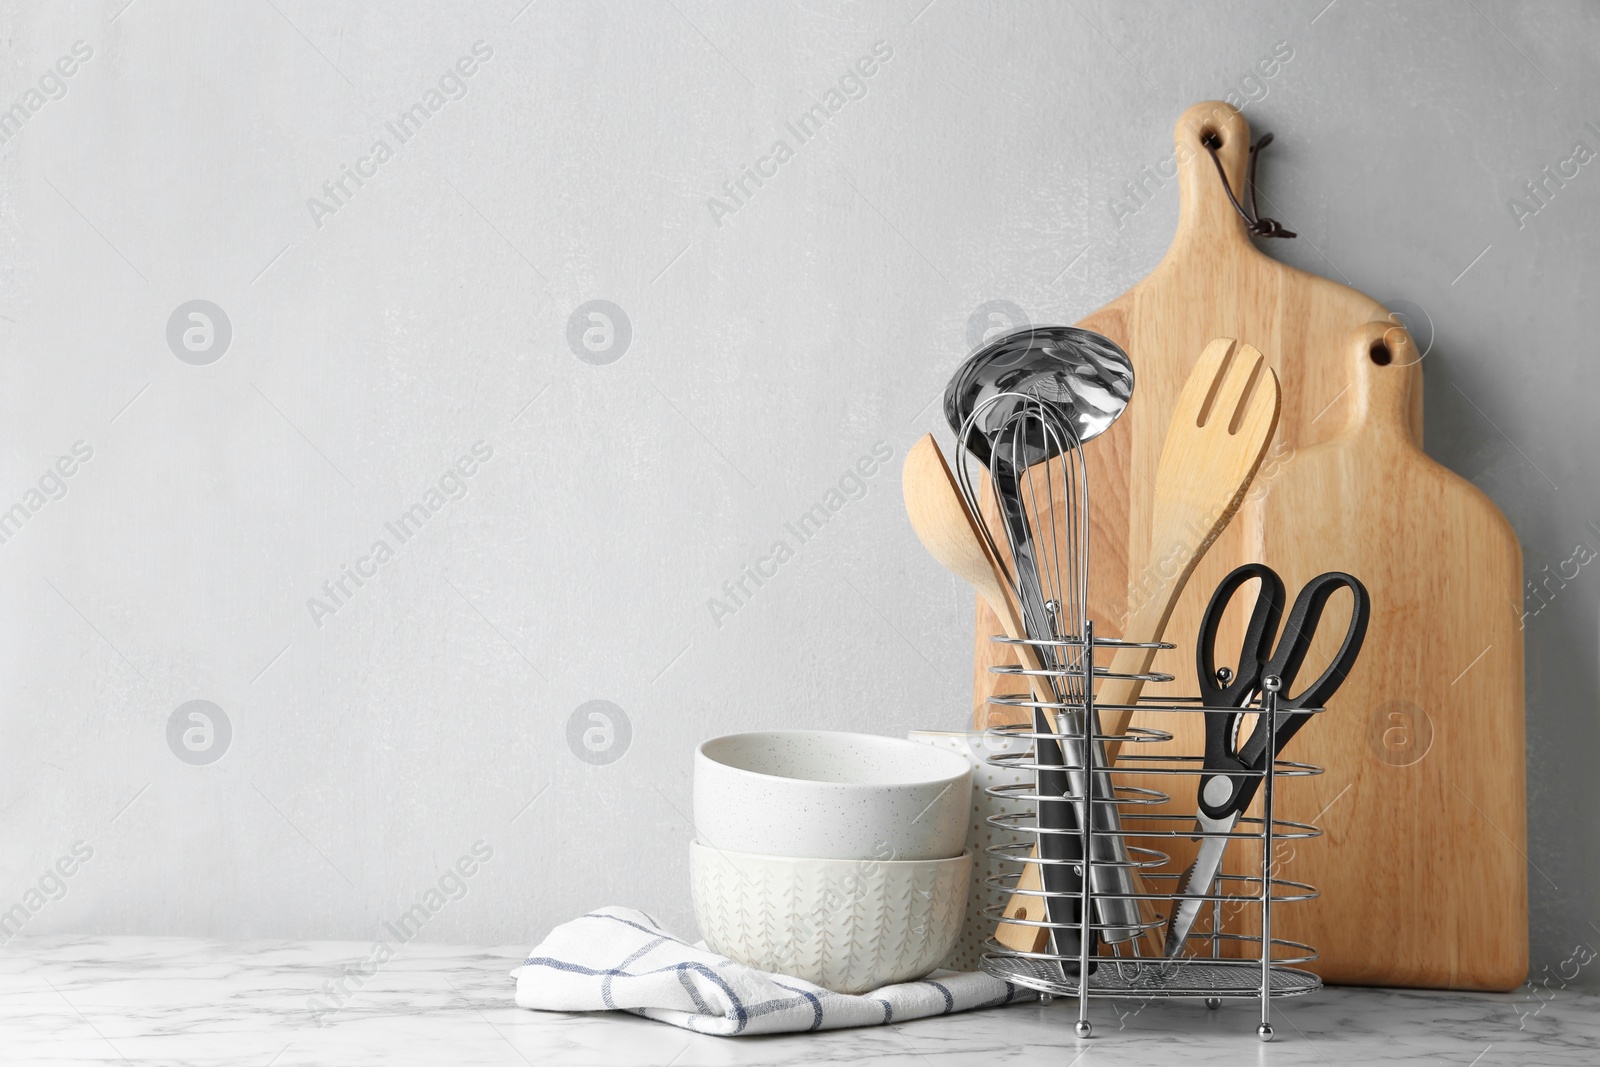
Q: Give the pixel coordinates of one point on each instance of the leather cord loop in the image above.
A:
(1253, 221)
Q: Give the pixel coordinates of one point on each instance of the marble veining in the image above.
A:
(177, 1001)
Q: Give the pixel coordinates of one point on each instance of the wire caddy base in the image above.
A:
(1257, 966)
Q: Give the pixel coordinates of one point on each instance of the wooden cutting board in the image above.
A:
(1214, 282)
(1423, 870)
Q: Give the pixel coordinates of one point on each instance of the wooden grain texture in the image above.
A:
(1214, 282)
(1220, 431)
(1423, 745)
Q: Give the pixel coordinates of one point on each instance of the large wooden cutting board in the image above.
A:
(1214, 282)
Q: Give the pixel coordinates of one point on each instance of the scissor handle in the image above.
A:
(1291, 654)
(1258, 636)
(1254, 665)
(1221, 762)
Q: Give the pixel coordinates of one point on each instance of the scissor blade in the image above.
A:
(1196, 881)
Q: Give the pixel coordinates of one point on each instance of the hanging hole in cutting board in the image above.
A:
(1380, 354)
(1210, 138)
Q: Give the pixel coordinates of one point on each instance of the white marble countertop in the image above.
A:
(181, 1001)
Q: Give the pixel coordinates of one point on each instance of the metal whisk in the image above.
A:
(1044, 508)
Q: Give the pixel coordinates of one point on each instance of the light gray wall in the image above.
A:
(772, 347)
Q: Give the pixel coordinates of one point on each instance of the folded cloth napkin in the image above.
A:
(619, 958)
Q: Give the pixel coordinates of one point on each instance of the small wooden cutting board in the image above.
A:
(1423, 871)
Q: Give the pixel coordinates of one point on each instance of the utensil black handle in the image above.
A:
(1290, 655)
(1302, 628)
(1062, 882)
(1220, 758)
(1258, 636)
(1243, 768)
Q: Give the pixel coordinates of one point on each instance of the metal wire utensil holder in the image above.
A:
(1266, 967)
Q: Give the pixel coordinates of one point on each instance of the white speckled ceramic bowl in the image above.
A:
(823, 795)
(977, 747)
(848, 925)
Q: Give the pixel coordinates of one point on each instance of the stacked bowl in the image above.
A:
(834, 857)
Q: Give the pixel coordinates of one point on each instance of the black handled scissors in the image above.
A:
(1232, 772)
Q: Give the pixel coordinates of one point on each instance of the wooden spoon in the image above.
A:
(1220, 429)
(951, 534)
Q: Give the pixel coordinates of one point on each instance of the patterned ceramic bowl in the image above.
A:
(846, 925)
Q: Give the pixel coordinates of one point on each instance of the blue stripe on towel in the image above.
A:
(700, 1005)
(740, 1015)
(1010, 995)
(816, 1005)
(651, 930)
(605, 985)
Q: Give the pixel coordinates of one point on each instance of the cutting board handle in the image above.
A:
(1204, 212)
(1386, 369)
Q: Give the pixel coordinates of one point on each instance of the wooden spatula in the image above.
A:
(1219, 434)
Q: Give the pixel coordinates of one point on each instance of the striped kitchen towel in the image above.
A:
(620, 959)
